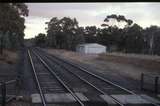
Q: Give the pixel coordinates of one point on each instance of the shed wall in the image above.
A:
(91, 49)
(95, 50)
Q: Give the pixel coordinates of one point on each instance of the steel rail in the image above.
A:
(101, 78)
(87, 82)
(59, 79)
(107, 81)
(37, 80)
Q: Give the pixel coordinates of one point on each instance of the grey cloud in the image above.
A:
(144, 14)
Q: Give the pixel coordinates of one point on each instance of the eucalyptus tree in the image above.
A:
(53, 28)
(150, 35)
(90, 34)
(12, 21)
(134, 39)
(108, 21)
(156, 48)
(40, 40)
(64, 33)
(112, 34)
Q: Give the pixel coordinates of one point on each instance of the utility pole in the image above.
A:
(1, 46)
(151, 44)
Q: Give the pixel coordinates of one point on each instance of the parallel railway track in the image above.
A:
(39, 84)
(62, 69)
(87, 81)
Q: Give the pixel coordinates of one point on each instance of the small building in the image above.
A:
(91, 48)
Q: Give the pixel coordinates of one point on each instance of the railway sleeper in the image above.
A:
(66, 99)
(131, 100)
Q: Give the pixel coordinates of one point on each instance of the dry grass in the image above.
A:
(72, 55)
(152, 64)
(9, 57)
(141, 61)
(116, 64)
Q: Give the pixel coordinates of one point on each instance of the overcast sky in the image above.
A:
(144, 14)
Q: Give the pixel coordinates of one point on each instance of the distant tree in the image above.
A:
(112, 34)
(109, 36)
(53, 29)
(64, 33)
(134, 41)
(156, 47)
(117, 18)
(150, 37)
(90, 34)
(40, 40)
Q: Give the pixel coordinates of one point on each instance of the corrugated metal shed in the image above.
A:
(91, 48)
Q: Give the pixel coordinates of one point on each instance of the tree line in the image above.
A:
(117, 33)
(12, 25)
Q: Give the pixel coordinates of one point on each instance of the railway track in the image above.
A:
(77, 79)
(59, 83)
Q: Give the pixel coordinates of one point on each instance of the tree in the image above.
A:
(52, 32)
(156, 47)
(90, 34)
(64, 33)
(118, 18)
(40, 40)
(12, 21)
(150, 36)
(134, 41)
(111, 34)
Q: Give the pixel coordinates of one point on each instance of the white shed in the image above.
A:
(91, 48)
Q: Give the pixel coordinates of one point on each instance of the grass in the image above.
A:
(140, 62)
